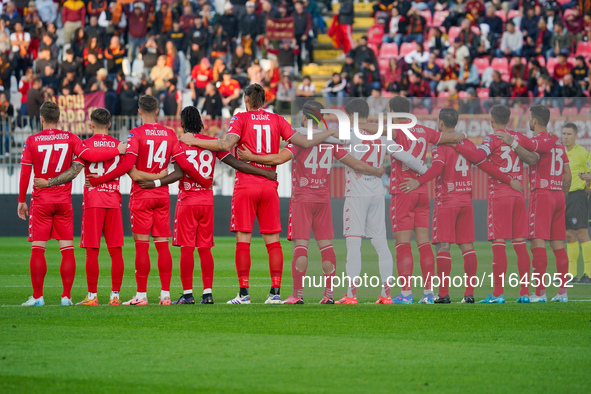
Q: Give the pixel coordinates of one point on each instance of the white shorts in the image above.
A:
(364, 217)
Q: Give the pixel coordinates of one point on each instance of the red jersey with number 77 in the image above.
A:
(453, 187)
(105, 195)
(261, 132)
(417, 148)
(50, 152)
(190, 191)
(154, 145)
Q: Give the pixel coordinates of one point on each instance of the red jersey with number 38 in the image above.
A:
(261, 132)
(417, 148)
(154, 145)
(453, 187)
(191, 192)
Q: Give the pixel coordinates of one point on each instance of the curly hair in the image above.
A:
(191, 120)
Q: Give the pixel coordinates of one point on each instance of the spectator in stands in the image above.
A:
(173, 59)
(218, 68)
(393, 26)
(241, 61)
(79, 44)
(111, 98)
(535, 71)
(449, 75)
(20, 42)
(250, 28)
(561, 39)
(358, 87)
(94, 30)
(574, 23)
(138, 26)
(229, 26)
(285, 95)
(458, 51)
(212, 103)
(484, 47)
(499, 91)
(92, 67)
(68, 82)
(177, 36)
(587, 27)
(417, 56)
(346, 17)
(438, 44)
(272, 77)
(286, 54)
(220, 42)
(362, 52)
(377, 104)
(160, 74)
(474, 10)
(150, 51)
(518, 70)
(115, 54)
(47, 10)
(470, 105)
(4, 37)
(230, 91)
(6, 71)
(6, 115)
(201, 75)
(432, 72)
(350, 67)
(43, 59)
(468, 37)
(538, 44)
(563, 67)
(128, 100)
(572, 93)
(494, 21)
(198, 41)
(162, 20)
(468, 76)
(48, 43)
(303, 32)
(420, 91)
(173, 99)
(25, 84)
(511, 42)
(70, 64)
(306, 88)
(412, 28)
(371, 74)
(335, 89)
(73, 17)
(49, 78)
(187, 18)
(35, 98)
(529, 23)
(96, 7)
(546, 92)
(520, 92)
(581, 72)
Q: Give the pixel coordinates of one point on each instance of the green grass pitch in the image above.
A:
(288, 348)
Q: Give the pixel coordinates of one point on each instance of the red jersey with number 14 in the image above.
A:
(261, 132)
(417, 148)
(50, 152)
(191, 192)
(453, 187)
(154, 145)
(105, 195)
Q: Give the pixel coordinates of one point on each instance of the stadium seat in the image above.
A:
(514, 61)
(375, 34)
(440, 62)
(584, 49)
(501, 14)
(542, 60)
(512, 14)
(501, 65)
(572, 61)
(506, 77)
(443, 95)
(420, 111)
(383, 63)
(481, 63)
(406, 48)
(570, 111)
(439, 17)
(463, 94)
(453, 32)
(554, 111)
(389, 50)
(551, 65)
(482, 92)
(428, 17)
(476, 30)
(373, 47)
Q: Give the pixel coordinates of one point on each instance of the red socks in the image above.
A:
(540, 264)
(275, 263)
(142, 265)
(443, 271)
(523, 266)
(561, 268)
(243, 263)
(38, 270)
(68, 270)
(404, 263)
(328, 256)
(470, 268)
(164, 264)
(187, 266)
(298, 276)
(427, 264)
(206, 267)
(499, 266)
(92, 269)
(117, 267)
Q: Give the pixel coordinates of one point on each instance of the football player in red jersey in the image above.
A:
(45, 154)
(550, 180)
(193, 219)
(255, 196)
(150, 148)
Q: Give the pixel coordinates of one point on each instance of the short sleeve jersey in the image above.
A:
(503, 157)
(547, 172)
(578, 158)
(453, 187)
(370, 152)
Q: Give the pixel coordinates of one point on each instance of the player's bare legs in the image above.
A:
(443, 257)
(470, 268)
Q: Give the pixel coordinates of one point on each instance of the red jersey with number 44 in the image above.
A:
(154, 145)
(105, 195)
(417, 148)
(191, 192)
(453, 187)
(261, 132)
(503, 157)
(50, 152)
(547, 172)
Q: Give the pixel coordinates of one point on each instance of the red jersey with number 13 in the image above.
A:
(547, 172)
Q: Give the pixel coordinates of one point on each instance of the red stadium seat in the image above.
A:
(569, 111)
(439, 17)
(476, 30)
(584, 49)
(512, 14)
(420, 111)
(374, 47)
(482, 92)
(375, 34)
(542, 60)
(572, 61)
(501, 65)
(554, 111)
(506, 77)
(462, 94)
(406, 48)
(453, 32)
(383, 63)
(481, 63)
(501, 14)
(428, 17)
(514, 61)
(443, 95)
(440, 62)
(551, 65)
(389, 50)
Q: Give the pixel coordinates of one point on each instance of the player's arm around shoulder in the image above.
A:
(222, 144)
(246, 168)
(67, 176)
(276, 159)
(360, 166)
(527, 156)
(163, 180)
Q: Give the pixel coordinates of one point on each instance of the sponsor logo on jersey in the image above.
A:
(303, 182)
(450, 187)
(544, 183)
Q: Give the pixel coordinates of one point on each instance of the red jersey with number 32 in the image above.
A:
(191, 192)
(547, 172)
(506, 160)
(417, 148)
(453, 187)
(261, 132)
(50, 152)
(105, 195)
(154, 145)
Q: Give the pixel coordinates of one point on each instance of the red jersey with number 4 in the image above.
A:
(261, 132)
(50, 152)
(310, 169)
(105, 195)
(417, 148)
(453, 187)
(191, 192)
(547, 172)
(503, 157)
(154, 145)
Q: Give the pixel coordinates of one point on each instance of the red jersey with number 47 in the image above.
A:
(503, 157)
(417, 148)
(105, 195)
(50, 152)
(191, 192)
(261, 132)
(453, 187)
(154, 145)
(547, 172)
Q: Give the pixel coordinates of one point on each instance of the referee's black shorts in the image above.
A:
(577, 205)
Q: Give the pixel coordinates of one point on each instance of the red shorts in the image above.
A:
(98, 221)
(150, 216)
(51, 221)
(193, 226)
(547, 215)
(260, 201)
(506, 218)
(453, 225)
(408, 211)
(310, 216)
